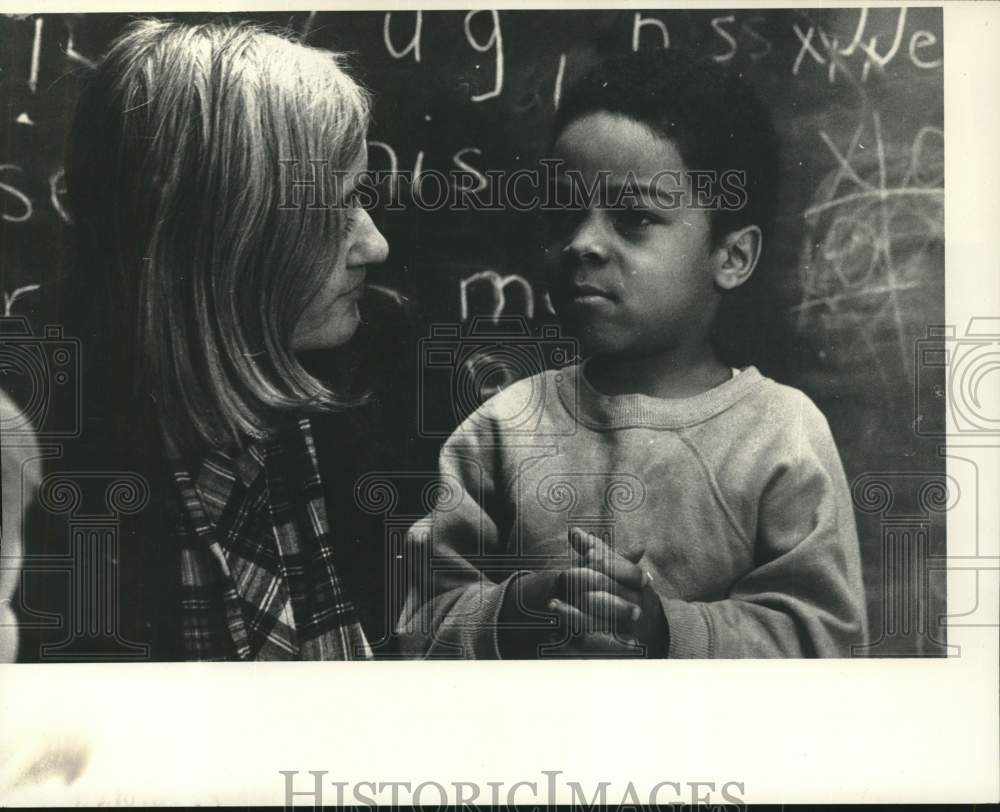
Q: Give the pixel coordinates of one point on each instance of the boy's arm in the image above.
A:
(452, 605)
(804, 597)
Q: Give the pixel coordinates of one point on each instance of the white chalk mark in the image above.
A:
(639, 22)
(880, 152)
(716, 23)
(56, 188)
(36, 51)
(844, 162)
(71, 52)
(390, 293)
(807, 48)
(826, 301)
(418, 168)
(832, 45)
(880, 194)
(497, 285)
(560, 73)
(767, 46)
(482, 182)
(10, 298)
(547, 301)
(858, 33)
(413, 46)
(923, 39)
(495, 41)
(21, 196)
(880, 61)
(913, 173)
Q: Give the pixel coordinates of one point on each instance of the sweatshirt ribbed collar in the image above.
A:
(599, 411)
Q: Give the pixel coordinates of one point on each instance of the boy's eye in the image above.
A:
(629, 218)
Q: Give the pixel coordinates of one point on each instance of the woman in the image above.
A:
(18, 465)
(196, 285)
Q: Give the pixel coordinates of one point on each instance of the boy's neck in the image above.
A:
(661, 376)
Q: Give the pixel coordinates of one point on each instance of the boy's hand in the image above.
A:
(610, 603)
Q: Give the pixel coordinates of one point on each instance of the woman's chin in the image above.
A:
(334, 332)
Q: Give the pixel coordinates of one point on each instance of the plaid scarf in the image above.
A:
(258, 580)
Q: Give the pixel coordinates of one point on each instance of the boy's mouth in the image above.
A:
(579, 293)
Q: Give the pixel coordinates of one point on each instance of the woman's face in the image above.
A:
(332, 317)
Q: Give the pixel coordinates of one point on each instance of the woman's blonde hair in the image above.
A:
(174, 174)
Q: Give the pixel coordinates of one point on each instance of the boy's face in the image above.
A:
(636, 278)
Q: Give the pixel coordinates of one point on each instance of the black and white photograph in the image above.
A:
(582, 340)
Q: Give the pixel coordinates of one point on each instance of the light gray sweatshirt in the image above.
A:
(738, 495)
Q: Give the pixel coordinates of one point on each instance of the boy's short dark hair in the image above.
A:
(708, 111)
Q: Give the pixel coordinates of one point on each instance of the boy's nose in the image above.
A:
(371, 247)
(587, 244)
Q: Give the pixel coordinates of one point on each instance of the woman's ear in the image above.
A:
(737, 257)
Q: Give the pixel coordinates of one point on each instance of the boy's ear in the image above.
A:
(737, 256)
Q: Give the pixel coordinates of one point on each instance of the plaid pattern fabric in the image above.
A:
(258, 580)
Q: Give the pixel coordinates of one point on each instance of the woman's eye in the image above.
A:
(348, 222)
(351, 211)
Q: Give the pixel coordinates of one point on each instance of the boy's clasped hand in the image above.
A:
(605, 603)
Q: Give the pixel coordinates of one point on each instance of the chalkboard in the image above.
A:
(854, 279)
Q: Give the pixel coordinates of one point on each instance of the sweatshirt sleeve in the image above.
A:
(452, 605)
(804, 597)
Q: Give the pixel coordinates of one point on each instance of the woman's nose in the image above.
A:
(370, 247)
(588, 242)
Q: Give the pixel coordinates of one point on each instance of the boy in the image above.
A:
(707, 508)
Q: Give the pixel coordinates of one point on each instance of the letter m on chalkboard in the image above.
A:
(497, 285)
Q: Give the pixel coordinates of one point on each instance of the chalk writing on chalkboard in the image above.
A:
(828, 53)
(413, 46)
(874, 231)
(26, 208)
(639, 22)
(493, 42)
(498, 285)
(10, 298)
(69, 50)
